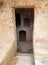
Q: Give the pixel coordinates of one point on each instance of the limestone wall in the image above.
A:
(40, 37)
(41, 34)
(7, 34)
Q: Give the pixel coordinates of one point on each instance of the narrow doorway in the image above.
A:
(24, 25)
(22, 35)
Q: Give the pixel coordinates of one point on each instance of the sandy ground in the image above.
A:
(23, 59)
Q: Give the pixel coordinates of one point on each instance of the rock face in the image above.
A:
(8, 29)
(1, 2)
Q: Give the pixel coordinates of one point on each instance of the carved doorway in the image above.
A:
(22, 35)
(24, 26)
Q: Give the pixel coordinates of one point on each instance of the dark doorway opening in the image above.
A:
(18, 19)
(26, 22)
(22, 35)
(24, 25)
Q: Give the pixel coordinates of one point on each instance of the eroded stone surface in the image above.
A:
(23, 59)
(7, 26)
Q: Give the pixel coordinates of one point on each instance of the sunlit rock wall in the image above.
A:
(7, 34)
(41, 33)
(40, 36)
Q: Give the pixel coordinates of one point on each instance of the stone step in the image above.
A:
(23, 59)
(14, 61)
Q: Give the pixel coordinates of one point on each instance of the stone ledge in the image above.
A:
(6, 53)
